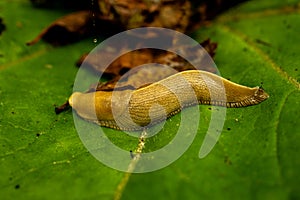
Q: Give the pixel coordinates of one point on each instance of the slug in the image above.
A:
(149, 105)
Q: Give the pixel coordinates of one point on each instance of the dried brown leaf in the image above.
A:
(67, 29)
(109, 17)
(124, 72)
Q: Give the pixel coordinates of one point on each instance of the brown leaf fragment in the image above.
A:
(62, 108)
(130, 14)
(121, 65)
(210, 47)
(141, 67)
(66, 29)
(135, 58)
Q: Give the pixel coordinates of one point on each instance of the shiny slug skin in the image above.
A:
(146, 106)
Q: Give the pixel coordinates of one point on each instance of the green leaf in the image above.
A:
(256, 157)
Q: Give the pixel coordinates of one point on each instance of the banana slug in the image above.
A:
(136, 109)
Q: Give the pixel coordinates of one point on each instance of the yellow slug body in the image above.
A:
(136, 109)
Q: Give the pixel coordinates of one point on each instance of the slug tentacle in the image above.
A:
(136, 109)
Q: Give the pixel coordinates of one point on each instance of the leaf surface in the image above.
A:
(256, 157)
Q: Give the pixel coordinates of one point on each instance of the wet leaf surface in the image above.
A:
(256, 157)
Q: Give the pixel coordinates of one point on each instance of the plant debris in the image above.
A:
(67, 29)
(62, 108)
(125, 66)
(108, 17)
